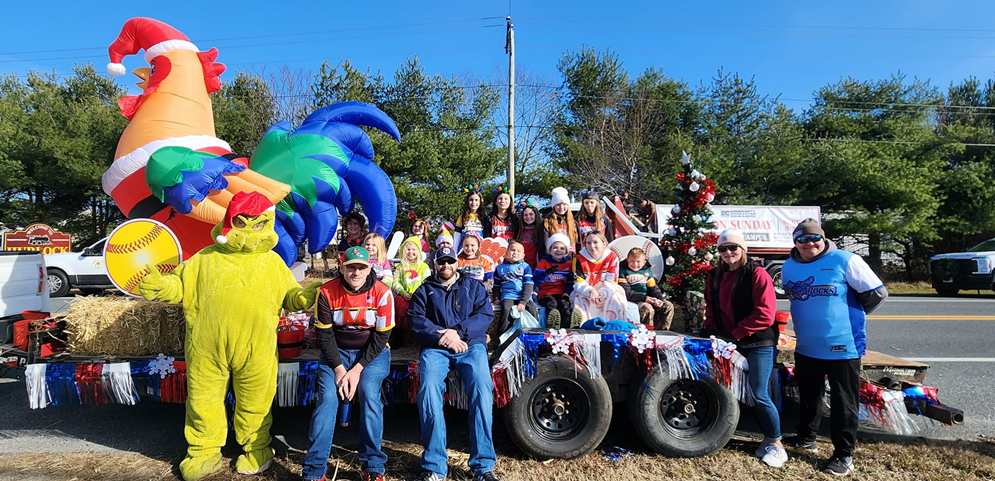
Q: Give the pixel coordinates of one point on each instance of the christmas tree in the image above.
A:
(687, 245)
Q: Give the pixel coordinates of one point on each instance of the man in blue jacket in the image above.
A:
(831, 292)
(450, 315)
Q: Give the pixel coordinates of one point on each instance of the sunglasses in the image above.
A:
(442, 262)
(805, 239)
(732, 248)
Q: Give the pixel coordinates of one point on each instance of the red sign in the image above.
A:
(37, 237)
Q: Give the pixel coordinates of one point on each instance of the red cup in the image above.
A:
(781, 318)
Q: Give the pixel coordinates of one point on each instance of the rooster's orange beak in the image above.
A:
(142, 73)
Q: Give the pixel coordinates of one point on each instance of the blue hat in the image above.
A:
(445, 252)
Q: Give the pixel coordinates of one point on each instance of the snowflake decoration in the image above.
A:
(560, 340)
(642, 339)
(161, 365)
(722, 348)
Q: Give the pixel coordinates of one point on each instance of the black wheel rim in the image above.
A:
(560, 409)
(54, 284)
(688, 408)
(778, 285)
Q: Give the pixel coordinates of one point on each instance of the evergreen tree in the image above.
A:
(688, 244)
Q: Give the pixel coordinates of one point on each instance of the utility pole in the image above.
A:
(509, 48)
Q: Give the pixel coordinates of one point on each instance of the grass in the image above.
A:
(925, 288)
(909, 459)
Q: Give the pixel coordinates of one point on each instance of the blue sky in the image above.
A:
(792, 48)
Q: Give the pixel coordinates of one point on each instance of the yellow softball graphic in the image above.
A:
(134, 245)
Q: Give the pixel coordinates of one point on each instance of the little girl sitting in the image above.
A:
(410, 274)
(374, 244)
(472, 264)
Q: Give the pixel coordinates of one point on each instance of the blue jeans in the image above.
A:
(473, 369)
(367, 404)
(761, 366)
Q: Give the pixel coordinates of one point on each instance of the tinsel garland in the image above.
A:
(90, 385)
(287, 374)
(886, 407)
(35, 379)
(119, 384)
(307, 382)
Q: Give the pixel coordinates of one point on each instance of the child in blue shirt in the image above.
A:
(513, 285)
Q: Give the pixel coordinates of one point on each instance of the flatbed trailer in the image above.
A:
(557, 391)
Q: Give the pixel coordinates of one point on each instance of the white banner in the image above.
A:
(762, 225)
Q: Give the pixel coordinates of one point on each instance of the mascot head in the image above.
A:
(248, 224)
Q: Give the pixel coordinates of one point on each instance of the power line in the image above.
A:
(276, 35)
(784, 54)
(713, 32)
(757, 25)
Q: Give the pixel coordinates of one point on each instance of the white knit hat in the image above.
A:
(561, 238)
(732, 236)
(560, 196)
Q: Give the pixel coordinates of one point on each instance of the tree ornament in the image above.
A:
(695, 174)
(685, 158)
(694, 187)
(670, 261)
(680, 187)
(704, 218)
(677, 209)
(709, 197)
(709, 256)
(692, 251)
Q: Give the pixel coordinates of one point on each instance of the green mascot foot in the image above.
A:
(194, 468)
(254, 462)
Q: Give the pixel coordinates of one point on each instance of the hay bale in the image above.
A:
(119, 326)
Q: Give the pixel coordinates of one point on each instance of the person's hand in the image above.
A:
(406, 296)
(348, 383)
(449, 339)
(460, 346)
(152, 285)
(309, 295)
(521, 307)
(595, 295)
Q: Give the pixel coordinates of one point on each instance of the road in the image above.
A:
(953, 336)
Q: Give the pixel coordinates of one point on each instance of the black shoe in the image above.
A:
(839, 466)
(488, 476)
(426, 475)
(799, 443)
(553, 319)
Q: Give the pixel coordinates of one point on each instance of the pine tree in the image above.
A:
(688, 245)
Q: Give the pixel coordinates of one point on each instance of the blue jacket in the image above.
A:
(515, 280)
(463, 306)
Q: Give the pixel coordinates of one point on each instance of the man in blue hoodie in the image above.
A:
(831, 292)
(450, 315)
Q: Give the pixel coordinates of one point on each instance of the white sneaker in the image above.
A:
(776, 456)
(762, 450)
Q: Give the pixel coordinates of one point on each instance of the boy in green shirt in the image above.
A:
(636, 278)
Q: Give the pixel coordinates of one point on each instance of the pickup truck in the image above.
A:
(22, 288)
(971, 270)
(85, 271)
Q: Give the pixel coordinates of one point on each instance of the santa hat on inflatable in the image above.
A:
(148, 34)
(243, 203)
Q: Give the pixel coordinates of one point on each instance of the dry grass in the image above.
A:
(124, 326)
(910, 460)
(925, 288)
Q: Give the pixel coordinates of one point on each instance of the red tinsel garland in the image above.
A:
(501, 392)
(173, 387)
(90, 384)
(413, 381)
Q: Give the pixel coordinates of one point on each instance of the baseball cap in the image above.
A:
(445, 252)
(356, 255)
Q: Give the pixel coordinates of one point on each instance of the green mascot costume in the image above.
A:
(232, 293)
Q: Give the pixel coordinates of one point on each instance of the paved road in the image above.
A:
(956, 337)
(959, 349)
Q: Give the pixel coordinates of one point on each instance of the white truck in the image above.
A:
(971, 270)
(766, 228)
(85, 271)
(22, 288)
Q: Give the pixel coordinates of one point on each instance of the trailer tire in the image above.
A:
(560, 413)
(683, 418)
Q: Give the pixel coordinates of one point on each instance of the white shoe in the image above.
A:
(776, 456)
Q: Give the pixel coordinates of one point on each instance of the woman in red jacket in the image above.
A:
(739, 306)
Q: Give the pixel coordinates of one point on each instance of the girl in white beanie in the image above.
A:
(560, 220)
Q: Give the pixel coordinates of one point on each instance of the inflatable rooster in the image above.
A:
(170, 166)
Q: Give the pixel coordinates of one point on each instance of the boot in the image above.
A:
(553, 319)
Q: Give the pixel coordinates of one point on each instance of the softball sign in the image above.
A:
(136, 244)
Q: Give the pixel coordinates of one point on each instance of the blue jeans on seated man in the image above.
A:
(367, 405)
(761, 361)
(474, 370)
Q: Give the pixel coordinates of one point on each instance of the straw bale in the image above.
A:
(124, 327)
